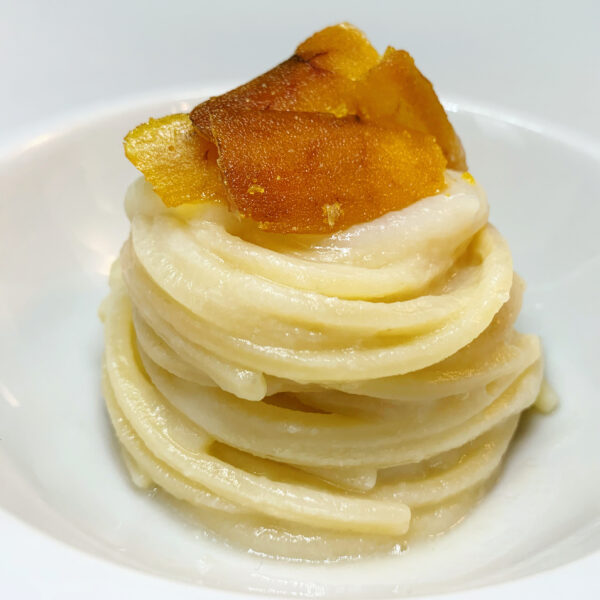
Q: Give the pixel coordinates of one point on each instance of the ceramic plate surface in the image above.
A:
(70, 521)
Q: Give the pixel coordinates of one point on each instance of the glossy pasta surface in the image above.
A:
(318, 396)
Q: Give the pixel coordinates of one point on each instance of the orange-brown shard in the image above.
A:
(341, 49)
(286, 160)
(318, 78)
(174, 158)
(395, 92)
(315, 173)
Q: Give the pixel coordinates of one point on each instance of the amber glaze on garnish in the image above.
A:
(333, 136)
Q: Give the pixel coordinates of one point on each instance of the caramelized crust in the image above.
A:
(395, 92)
(180, 165)
(318, 78)
(341, 49)
(315, 173)
(292, 85)
(333, 136)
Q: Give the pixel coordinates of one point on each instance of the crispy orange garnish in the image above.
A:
(331, 137)
(179, 164)
(319, 77)
(395, 92)
(315, 173)
(341, 49)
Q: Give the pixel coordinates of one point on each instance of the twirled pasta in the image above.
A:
(318, 396)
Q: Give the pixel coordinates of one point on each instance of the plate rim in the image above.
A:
(106, 574)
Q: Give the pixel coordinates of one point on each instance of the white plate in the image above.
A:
(68, 513)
